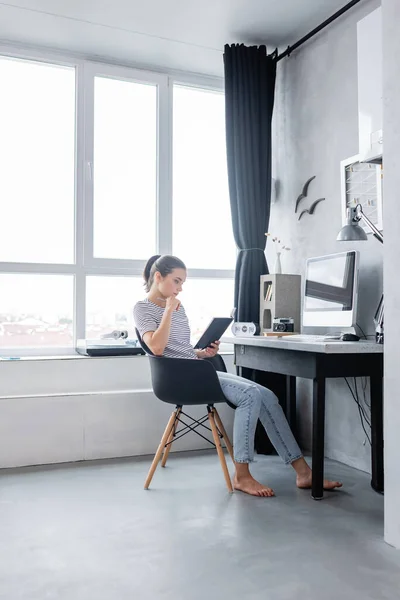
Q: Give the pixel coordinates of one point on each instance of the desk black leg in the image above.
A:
(377, 434)
(318, 441)
(291, 403)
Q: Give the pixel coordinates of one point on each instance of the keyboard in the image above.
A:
(299, 337)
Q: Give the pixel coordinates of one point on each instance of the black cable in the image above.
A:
(359, 410)
(367, 418)
(364, 388)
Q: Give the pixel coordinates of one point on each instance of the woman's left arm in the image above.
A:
(209, 351)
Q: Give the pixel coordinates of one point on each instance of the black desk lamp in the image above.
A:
(352, 232)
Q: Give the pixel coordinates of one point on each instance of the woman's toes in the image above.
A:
(248, 485)
(306, 482)
(331, 485)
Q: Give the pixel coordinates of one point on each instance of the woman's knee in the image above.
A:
(268, 397)
(250, 395)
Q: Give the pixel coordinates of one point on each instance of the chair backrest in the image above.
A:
(184, 381)
(141, 342)
(217, 362)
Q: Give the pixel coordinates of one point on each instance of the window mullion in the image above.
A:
(87, 163)
(80, 171)
(82, 117)
(164, 171)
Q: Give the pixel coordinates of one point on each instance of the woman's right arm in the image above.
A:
(158, 339)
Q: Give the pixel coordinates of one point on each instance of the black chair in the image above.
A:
(186, 382)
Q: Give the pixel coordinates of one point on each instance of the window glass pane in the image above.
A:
(36, 311)
(204, 299)
(37, 158)
(109, 304)
(125, 169)
(202, 228)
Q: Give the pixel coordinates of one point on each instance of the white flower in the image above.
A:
(279, 246)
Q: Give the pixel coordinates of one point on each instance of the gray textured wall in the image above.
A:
(315, 127)
(391, 124)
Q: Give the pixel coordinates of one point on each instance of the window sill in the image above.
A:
(4, 359)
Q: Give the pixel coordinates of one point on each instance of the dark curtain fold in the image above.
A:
(249, 99)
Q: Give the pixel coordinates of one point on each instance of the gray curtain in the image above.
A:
(249, 99)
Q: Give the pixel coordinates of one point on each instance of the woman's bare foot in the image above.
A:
(249, 485)
(304, 476)
(304, 483)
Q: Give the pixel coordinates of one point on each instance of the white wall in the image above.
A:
(315, 127)
(391, 128)
(59, 410)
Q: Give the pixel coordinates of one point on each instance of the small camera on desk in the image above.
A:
(283, 325)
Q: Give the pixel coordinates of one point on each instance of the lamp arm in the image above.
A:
(360, 216)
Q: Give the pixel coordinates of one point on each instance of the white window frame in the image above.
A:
(85, 263)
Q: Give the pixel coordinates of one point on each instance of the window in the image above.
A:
(37, 157)
(125, 168)
(102, 167)
(202, 230)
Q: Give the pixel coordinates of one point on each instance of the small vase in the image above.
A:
(278, 265)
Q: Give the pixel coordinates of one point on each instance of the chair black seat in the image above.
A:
(183, 381)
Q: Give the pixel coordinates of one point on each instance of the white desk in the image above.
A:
(318, 361)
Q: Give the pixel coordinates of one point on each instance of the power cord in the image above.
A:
(367, 418)
(364, 383)
(361, 409)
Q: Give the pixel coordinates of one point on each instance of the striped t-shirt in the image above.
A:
(147, 317)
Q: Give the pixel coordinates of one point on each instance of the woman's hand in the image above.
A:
(209, 351)
(172, 303)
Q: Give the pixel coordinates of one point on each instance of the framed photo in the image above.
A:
(361, 183)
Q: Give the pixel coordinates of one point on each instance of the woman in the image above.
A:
(162, 323)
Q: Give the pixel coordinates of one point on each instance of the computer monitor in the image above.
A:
(330, 290)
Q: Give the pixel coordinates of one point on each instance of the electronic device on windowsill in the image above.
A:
(109, 347)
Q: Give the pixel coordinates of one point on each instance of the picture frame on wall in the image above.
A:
(361, 183)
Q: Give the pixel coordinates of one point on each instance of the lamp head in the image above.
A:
(352, 232)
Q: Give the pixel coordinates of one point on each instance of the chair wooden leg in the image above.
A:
(224, 434)
(160, 449)
(221, 455)
(170, 439)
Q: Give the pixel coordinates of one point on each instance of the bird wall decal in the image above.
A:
(312, 208)
(304, 192)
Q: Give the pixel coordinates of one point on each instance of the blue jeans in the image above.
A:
(253, 402)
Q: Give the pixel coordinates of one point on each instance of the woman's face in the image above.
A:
(171, 284)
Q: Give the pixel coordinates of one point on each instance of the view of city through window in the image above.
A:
(36, 310)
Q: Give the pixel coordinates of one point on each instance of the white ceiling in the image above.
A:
(177, 34)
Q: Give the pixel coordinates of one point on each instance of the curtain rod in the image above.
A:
(304, 39)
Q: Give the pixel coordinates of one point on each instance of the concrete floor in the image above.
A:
(89, 531)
